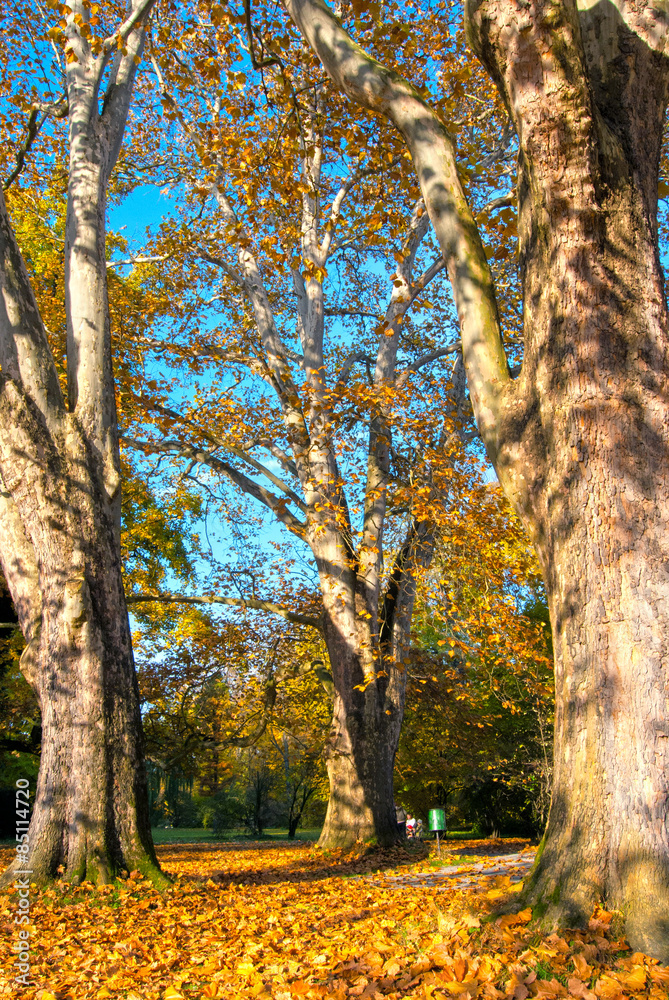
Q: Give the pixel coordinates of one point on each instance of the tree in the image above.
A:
(345, 421)
(579, 438)
(59, 462)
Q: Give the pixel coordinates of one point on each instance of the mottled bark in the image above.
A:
(367, 637)
(584, 441)
(580, 440)
(59, 505)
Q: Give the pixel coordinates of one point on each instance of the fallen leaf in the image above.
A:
(583, 970)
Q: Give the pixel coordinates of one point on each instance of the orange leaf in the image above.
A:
(659, 973)
(583, 970)
(608, 988)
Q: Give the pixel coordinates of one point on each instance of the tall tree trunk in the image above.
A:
(360, 759)
(60, 504)
(91, 806)
(584, 443)
(367, 647)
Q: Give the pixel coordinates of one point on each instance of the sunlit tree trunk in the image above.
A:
(580, 440)
(367, 644)
(59, 510)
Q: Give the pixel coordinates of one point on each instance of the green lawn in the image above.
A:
(190, 835)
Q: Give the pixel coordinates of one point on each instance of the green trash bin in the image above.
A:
(437, 823)
(437, 820)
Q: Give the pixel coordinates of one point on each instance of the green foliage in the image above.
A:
(156, 540)
(477, 736)
(228, 810)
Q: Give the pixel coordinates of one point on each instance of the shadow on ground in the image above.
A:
(247, 864)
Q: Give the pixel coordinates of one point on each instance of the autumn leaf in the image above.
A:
(513, 919)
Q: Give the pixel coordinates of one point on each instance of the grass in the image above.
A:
(195, 835)
(192, 835)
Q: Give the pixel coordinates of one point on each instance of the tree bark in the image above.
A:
(367, 646)
(91, 806)
(580, 441)
(360, 752)
(584, 443)
(360, 759)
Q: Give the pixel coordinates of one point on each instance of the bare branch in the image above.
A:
(131, 261)
(138, 15)
(272, 60)
(233, 602)
(507, 200)
(347, 367)
(224, 266)
(427, 359)
(400, 298)
(335, 211)
(282, 458)
(351, 312)
(255, 288)
(277, 505)
(34, 126)
(426, 277)
(231, 449)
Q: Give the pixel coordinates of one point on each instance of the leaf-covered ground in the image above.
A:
(290, 921)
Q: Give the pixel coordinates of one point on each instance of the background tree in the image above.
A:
(337, 438)
(579, 439)
(59, 460)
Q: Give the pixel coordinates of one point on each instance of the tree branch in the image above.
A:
(231, 449)
(381, 90)
(426, 277)
(139, 13)
(131, 261)
(232, 602)
(248, 486)
(504, 201)
(224, 266)
(34, 127)
(347, 366)
(426, 359)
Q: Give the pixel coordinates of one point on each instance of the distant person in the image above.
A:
(411, 826)
(401, 817)
(418, 834)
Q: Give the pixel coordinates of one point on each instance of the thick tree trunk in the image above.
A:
(584, 443)
(580, 441)
(366, 719)
(91, 807)
(360, 758)
(607, 839)
(60, 504)
(367, 647)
